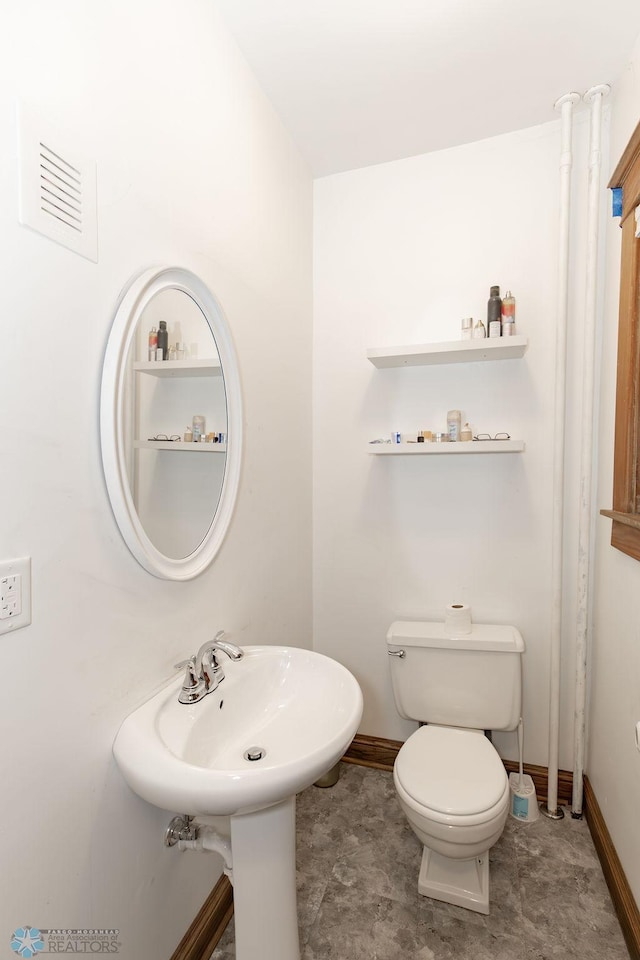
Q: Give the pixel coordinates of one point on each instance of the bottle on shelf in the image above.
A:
(509, 315)
(494, 313)
(454, 419)
(163, 341)
(153, 343)
(479, 332)
(199, 429)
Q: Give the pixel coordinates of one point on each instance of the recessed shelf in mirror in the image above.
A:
(179, 445)
(179, 368)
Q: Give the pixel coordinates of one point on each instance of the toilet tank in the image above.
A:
(473, 680)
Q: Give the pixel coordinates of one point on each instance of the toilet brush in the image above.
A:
(524, 803)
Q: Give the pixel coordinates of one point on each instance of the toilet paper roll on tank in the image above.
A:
(457, 620)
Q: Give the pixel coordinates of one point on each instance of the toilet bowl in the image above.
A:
(454, 791)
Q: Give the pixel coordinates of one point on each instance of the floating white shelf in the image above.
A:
(454, 351)
(179, 368)
(446, 449)
(177, 445)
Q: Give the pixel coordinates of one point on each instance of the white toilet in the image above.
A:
(451, 783)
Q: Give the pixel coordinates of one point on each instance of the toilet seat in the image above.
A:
(449, 774)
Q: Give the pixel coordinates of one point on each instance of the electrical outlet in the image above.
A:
(10, 596)
(15, 594)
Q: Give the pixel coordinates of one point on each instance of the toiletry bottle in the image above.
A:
(199, 429)
(454, 418)
(153, 343)
(508, 315)
(466, 328)
(466, 433)
(188, 435)
(494, 313)
(163, 340)
(479, 333)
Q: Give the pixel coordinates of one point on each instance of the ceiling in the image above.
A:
(358, 82)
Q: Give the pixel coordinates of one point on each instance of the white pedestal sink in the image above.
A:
(298, 711)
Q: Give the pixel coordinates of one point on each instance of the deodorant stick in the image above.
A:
(454, 420)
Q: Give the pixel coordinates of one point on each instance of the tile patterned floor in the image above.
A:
(358, 863)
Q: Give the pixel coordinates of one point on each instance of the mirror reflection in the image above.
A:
(175, 423)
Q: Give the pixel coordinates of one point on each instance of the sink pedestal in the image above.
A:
(263, 846)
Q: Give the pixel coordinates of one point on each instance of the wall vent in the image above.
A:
(57, 188)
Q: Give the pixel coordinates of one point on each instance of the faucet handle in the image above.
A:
(183, 663)
(211, 671)
(193, 686)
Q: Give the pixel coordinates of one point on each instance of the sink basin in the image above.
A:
(296, 709)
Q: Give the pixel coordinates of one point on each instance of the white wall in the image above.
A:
(613, 761)
(194, 168)
(402, 251)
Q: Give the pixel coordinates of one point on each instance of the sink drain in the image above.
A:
(254, 753)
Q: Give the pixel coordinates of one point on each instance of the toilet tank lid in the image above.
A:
(500, 638)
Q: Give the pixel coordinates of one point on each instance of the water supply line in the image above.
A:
(209, 840)
(565, 105)
(593, 96)
(187, 834)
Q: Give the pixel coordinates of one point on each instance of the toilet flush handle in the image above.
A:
(397, 653)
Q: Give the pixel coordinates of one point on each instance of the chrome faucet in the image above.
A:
(204, 673)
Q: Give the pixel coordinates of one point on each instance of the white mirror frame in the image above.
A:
(133, 301)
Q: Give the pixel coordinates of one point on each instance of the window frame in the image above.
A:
(625, 530)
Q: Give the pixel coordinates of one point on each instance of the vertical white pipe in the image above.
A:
(594, 96)
(565, 105)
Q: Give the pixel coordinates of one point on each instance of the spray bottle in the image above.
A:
(509, 315)
(153, 343)
(494, 312)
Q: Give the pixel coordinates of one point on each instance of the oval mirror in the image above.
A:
(170, 422)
